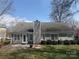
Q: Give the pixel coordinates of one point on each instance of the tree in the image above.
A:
(5, 6)
(62, 10)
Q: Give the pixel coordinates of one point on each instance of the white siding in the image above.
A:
(65, 38)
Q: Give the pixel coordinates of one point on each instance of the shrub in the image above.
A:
(72, 42)
(5, 42)
(77, 42)
(54, 42)
(59, 42)
(43, 42)
(66, 42)
(49, 42)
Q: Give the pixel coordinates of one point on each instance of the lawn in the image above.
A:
(46, 52)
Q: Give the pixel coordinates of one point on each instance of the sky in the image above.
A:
(32, 9)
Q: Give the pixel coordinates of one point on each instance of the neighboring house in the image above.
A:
(3, 33)
(23, 32)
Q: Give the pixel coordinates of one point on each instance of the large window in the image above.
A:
(65, 34)
(54, 36)
(62, 34)
(70, 35)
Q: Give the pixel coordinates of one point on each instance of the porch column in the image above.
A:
(10, 36)
(22, 38)
(26, 39)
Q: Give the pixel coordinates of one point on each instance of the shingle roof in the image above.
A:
(22, 26)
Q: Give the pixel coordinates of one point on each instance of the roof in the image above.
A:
(45, 26)
(55, 26)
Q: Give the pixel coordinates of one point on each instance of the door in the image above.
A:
(24, 39)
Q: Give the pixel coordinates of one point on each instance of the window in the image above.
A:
(62, 34)
(54, 36)
(65, 35)
(24, 38)
(18, 37)
(47, 35)
(70, 35)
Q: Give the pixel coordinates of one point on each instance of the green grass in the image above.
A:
(47, 52)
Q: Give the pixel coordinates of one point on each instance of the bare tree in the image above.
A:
(62, 10)
(5, 6)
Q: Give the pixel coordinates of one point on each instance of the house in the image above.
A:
(23, 32)
(3, 31)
